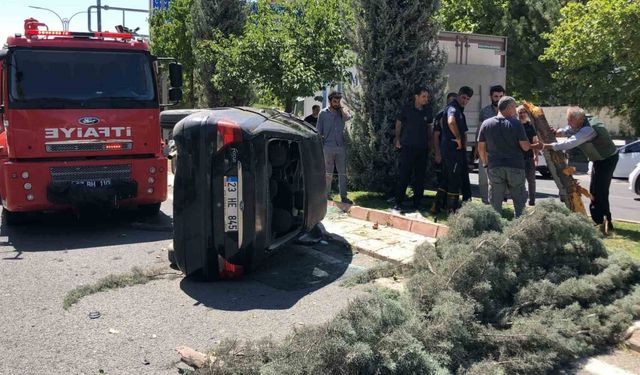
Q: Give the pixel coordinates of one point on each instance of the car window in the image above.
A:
(634, 147)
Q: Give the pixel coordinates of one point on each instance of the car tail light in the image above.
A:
(228, 132)
(229, 270)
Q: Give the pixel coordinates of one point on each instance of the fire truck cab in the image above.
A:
(79, 122)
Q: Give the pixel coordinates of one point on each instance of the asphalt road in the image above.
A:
(624, 203)
(139, 327)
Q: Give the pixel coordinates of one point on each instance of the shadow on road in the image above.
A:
(66, 231)
(281, 281)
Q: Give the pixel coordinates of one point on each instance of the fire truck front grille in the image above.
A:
(90, 173)
(70, 147)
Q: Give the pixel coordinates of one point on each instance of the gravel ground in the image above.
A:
(140, 326)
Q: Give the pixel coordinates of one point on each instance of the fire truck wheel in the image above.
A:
(13, 218)
(149, 209)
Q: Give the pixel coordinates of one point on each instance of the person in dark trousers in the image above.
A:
(313, 117)
(531, 156)
(501, 142)
(331, 124)
(412, 130)
(597, 145)
(441, 196)
(453, 147)
(496, 93)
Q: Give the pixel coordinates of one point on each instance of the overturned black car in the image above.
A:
(247, 182)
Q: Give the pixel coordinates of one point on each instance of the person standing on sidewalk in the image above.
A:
(596, 143)
(496, 92)
(531, 156)
(331, 124)
(441, 196)
(501, 141)
(412, 131)
(313, 117)
(453, 147)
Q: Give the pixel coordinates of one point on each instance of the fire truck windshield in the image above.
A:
(81, 79)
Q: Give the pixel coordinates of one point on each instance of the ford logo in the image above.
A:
(88, 120)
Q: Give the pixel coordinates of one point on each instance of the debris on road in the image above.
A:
(191, 357)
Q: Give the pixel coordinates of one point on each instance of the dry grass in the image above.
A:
(137, 276)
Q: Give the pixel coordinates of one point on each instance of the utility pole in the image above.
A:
(99, 6)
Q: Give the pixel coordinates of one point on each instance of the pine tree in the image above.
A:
(212, 19)
(525, 297)
(396, 47)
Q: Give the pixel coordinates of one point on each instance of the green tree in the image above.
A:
(171, 35)
(212, 20)
(396, 45)
(292, 48)
(597, 49)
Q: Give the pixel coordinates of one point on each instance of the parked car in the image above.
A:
(247, 182)
(634, 180)
(629, 156)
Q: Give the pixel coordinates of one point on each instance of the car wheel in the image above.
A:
(149, 209)
(637, 187)
(13, 218)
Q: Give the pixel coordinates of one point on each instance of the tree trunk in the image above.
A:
(570, 190)
(192, 89)
(288, 105)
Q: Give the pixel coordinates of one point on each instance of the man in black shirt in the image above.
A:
(441, 198)
(313, 117)
(453, 146)
(531, 156)
(412, 130)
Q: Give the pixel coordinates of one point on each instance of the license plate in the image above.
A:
(230, 204)
(94, 183)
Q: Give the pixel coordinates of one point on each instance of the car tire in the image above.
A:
(282, 221)
(171, 256)
(544, 172)
(149, 209)
(14, 218)
(637, 187)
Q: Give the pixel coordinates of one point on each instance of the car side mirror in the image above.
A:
(175, 75)
(175, 94)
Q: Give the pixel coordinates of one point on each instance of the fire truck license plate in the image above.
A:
(230, 204)
(94, 183)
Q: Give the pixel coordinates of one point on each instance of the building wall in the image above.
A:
(616, 125)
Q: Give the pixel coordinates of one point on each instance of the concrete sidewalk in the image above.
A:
(374, 239)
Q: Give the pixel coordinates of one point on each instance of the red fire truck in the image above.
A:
(79, 122)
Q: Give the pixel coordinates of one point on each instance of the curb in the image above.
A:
(406, 224)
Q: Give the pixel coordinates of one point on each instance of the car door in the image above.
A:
(629, 157)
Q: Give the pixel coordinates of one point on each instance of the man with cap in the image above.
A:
(330, 126)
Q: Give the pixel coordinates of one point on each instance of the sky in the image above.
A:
(14, 12)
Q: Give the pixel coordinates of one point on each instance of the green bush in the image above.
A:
(524, 297)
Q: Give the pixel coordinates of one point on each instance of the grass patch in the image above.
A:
(377, 201)
(137, 276)
(625, 238)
